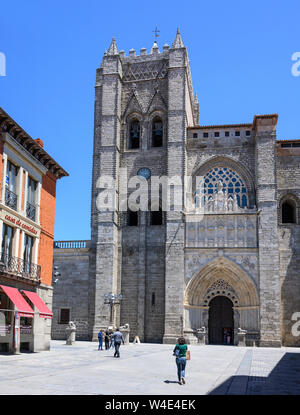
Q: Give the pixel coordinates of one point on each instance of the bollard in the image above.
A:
(71, 333)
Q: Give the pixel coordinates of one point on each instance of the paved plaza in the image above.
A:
(149, 369)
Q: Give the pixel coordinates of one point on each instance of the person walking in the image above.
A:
(180, 352)
(100, 339)
(106, 340)
(118, 339)
(111, 335)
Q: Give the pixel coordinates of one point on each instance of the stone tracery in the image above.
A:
(221, 189)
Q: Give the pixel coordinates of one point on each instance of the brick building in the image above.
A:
(228, 275)
(27, 211)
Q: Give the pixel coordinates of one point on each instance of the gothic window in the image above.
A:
(132, 218)
(157, 132)
(288, 212)
(222, 179)
(134, 134)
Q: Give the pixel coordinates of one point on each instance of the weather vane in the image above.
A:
(156, 32)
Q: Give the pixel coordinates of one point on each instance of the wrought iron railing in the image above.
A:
(30, 211)
(71, 244)
(19, 267)
(11, 199)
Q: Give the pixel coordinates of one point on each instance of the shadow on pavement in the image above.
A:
(284, 379)
(172, 381)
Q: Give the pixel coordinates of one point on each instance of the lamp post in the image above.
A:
(56, 274)
(112, 300)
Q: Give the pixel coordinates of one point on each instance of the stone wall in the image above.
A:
(288, 178)
(71, 291)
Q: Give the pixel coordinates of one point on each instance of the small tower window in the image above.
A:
(157, 133)
(288, 212)
(132, 218)
(153, 299)
(134, 134)
(156, 217)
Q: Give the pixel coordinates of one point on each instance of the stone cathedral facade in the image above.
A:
(229, 275)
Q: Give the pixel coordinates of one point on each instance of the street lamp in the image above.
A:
(112, 300)
(56, 274)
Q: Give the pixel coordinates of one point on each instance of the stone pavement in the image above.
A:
(150, 369)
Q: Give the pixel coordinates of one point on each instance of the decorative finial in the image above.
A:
(178, 43)
(113, 50)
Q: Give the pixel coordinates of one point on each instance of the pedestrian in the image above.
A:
(180, 352)
(100, 339)
(118, 339)
(111, 335)
(106, 340)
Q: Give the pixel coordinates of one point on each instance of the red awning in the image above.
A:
(16, 297)
(45, 312)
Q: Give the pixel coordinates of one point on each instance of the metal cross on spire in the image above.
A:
(156, 31)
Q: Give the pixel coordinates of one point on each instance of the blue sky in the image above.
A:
(240, 54)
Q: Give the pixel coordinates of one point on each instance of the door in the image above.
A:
(220, 321)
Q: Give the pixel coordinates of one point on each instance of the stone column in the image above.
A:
(105, 242)
(266, 187)
(176, 164)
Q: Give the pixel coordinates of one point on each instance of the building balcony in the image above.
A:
(71, 244)
(19, 269)
(11, 199)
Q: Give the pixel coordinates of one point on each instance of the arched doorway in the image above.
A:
(220, 321)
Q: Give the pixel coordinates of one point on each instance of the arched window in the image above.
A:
(288, 212)
(221, 189)
(134, 134)
(157, 132)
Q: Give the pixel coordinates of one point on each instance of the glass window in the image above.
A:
(11, 176)
(31, 190)
(11, 198)
(31, 198)
(7, 240)
(28, 247)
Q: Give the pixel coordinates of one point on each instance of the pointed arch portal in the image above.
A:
(216, 298)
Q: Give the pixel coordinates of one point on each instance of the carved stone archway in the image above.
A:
(221, 277)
